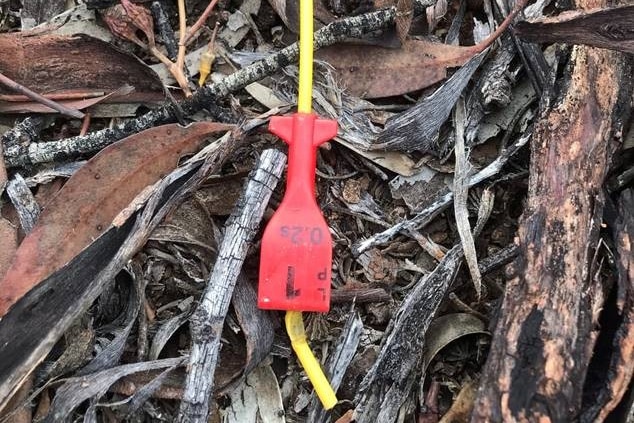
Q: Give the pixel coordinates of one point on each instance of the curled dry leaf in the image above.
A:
(93, 196)
(125, 19)
(448, 328)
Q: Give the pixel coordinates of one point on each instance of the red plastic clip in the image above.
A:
(296, 257)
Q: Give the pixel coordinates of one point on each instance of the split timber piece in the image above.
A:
(547, 328)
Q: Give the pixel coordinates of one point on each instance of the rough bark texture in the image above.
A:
(609, 28)
(621, 363)
(208, 319)
(547, 329)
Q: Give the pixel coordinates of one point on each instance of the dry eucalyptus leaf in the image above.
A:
(392, 160)
(97, 192)
(32, 58)
(372, 72)
(125, 19)
(256, 399)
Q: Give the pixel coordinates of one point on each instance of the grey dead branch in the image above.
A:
(158, 316)
(207, 321)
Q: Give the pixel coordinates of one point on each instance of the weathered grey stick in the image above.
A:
(338, 363)
(388, 383)
(24, 202)
(205, 97)
(427, 215)
(208, 319)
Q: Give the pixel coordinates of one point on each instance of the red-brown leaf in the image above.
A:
(59, 63)
(372, 72)
(85, 207)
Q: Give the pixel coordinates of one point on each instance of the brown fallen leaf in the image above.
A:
(85, 207)
(609, 28)
(49, 63)
(372, 72)
(346, 418)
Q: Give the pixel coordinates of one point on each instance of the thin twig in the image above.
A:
(161, 22)
(182, 27)
(85, 125)
(201, 21)
(441, 203)
(17, 87)
(75, 95)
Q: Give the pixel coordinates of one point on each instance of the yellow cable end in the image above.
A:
(297, 334)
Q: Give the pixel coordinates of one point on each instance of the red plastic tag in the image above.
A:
(296, 256)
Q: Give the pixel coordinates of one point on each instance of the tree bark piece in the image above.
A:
(621, 367)
(607, 28)
(545, 335)
(24, 202)
(208, 319)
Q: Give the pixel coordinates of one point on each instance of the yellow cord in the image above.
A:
(294, 322)
(295, 329)
(304, 97)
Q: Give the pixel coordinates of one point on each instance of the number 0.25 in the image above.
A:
(302, 234)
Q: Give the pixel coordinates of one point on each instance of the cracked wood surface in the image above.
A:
(548, 324)
(208, 319)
